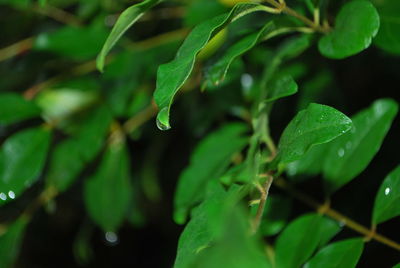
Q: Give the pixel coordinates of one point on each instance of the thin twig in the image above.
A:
(16, 48)
(263, 199)
(324, 209)
(57, 14)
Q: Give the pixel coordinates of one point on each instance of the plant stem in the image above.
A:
(16, 49)
(282, 7)
(263, 199)
(324, 209)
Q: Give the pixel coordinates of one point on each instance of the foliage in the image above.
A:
(85, 133)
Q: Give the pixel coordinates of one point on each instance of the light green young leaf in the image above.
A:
(15, 108)
(217, 72)
(291, 251)
(350, 154)
(171, 76)
(388, 37)
(210, 158)
(70, 156)
(355, 26)
(10, 242)
(345, 253)
(315, 125)
(281, 86)
(108, 193)
(387, 201)
(124, 22)
(22, 157)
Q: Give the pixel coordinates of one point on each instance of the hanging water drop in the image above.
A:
(11, 194)
(111, 238)
(3, 196)
(163, 119)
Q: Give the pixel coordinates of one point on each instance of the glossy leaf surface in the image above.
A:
(355, 26)
(315, 125)
(350, 154)
(171, 76)
(281, 86)
(387, 201)
(291, 251)
(344, 253)
(22, 157)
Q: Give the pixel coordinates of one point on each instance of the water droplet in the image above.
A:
(3, 196)
(340, 152)
(11, 194)
(246, 80)
(387, 190)
(111, 238)
(163, 119)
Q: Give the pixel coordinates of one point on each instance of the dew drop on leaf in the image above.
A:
(163, 119)
(387, 191)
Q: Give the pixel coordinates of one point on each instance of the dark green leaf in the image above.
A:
(210, 158)
(355, 26)
(345, 253)
(276, 215)
(315, 125)
(22, 157)
(15, 108)
(70, 156)
(350, 154)
(397, 266)
(124, 22)
(10, 242)
(388, 37)
(281, 86)
(108, 193)
(291, 249)
(72, 42)
(181, 67)
(387, 202)
(217, 72)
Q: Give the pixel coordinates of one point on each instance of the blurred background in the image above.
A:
(47, 55)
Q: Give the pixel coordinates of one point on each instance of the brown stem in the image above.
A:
(324, 209)
(58, 15)
(263, 199)
(16, 49)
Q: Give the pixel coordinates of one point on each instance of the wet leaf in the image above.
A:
(355, 26)
(315, 125)
(350, 154)
(387, 201)
(167, 84)
(22, 157)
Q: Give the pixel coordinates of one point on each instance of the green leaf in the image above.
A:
(181, 67)
(10, 242)
(350, 154)
(108, 192)
(397, 266)
(315, 125)
(345, 253)
(15, 108)
(208, 161)
(71, 155)
(197, 234)
(387, 201)
(291, 250)
(22, 157)
(281, 86)
(76, 43)
(310, 164)
(124, 22)
(276, 215)
(217, 72)
(388, 37)
(355, 26)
